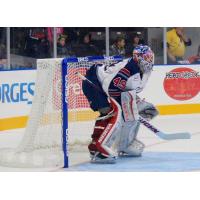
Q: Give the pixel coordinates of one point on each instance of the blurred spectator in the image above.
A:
(176, 44)
(18, 40)
(118, 48)
(2, 51)
(43, 48)
(64, 48)
(86, 46)
(59, 31)
(3, 56)
(37, 44)
(135, 42)
(196, 58)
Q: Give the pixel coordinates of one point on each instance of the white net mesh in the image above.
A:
(41, 145)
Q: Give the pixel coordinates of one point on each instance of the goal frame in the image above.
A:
(64, 77)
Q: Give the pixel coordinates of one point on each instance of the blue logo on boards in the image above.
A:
(17, 92)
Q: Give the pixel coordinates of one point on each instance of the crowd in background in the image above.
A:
(38, 43)
(86, 46)
(33, 43)
(29, 44)
(73, 42)
(177, 42)
(125, 48)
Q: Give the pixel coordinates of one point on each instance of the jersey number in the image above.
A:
(118, 82)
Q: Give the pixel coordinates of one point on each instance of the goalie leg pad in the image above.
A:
(129, 106)
(127, 143)
(128, 135)
(105, 133)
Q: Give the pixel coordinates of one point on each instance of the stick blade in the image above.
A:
(175, 136)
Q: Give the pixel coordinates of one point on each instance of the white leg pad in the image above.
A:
(128, 135)
(128, 143)
(129, 106)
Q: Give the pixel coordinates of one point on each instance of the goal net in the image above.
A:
(60, 118)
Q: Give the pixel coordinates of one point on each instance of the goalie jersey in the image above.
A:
(120, 77)
(112, 80)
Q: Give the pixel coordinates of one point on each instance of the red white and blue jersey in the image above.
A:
(120, 77)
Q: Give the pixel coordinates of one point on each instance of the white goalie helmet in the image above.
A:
(144, 56)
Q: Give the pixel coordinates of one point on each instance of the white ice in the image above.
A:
(159, 155)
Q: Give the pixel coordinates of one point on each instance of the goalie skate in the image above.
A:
(101, 159)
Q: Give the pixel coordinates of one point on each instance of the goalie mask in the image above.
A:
(144, 56)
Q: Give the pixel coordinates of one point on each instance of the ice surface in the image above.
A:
(159, 155)
(149, 162)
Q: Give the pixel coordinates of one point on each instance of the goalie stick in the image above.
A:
(161, 134)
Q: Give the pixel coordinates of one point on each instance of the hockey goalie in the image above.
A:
(119, 105)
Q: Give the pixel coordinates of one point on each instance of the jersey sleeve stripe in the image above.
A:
(125, 71)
